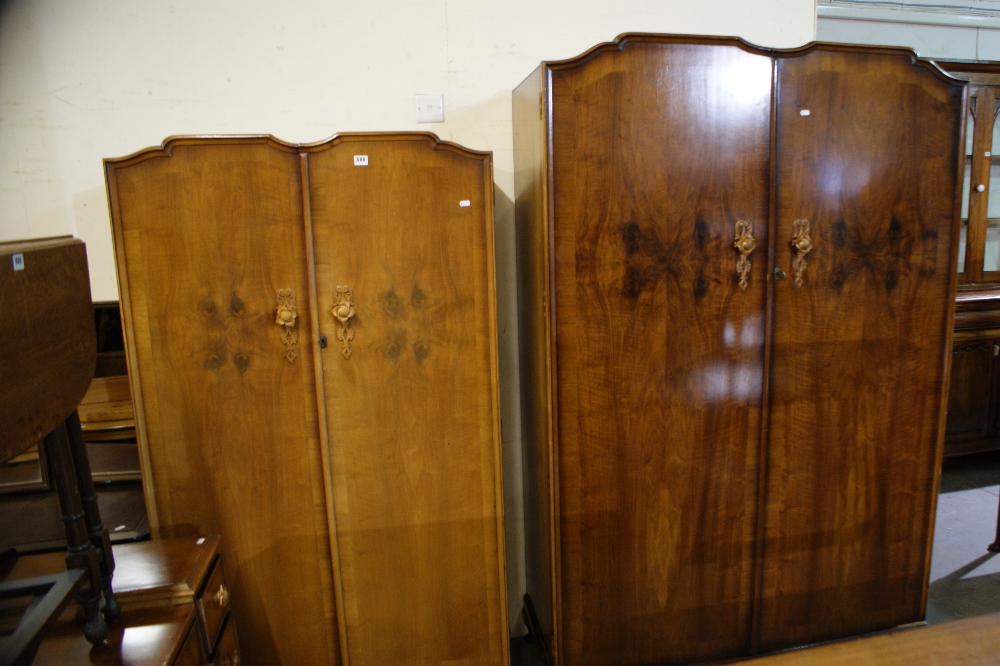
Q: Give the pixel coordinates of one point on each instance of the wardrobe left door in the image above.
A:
(211, 255)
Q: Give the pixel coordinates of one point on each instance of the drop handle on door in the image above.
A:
(745, 245)
(343, 310)
(802, 242)
(286, 313)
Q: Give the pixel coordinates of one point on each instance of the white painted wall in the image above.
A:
(88, 79)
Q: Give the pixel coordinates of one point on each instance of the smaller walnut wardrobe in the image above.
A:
(311, 335)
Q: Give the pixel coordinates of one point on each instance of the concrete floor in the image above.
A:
(965, 577)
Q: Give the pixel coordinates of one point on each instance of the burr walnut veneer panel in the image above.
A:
(643, 270)
(412, 412)
(858, 369)
(351, 464)
(737, 277)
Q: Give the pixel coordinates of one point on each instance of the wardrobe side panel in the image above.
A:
(533, 277)
(413, 409)
(659, 151)
(206, 234)
(867, 152)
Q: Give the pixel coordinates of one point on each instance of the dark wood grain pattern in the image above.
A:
(206, 231)
(48, 347)
(712, 470)
(659, 351)
(862, 347)
(414, 410)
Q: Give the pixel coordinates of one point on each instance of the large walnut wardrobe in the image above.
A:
(738, 276)
(312, 343)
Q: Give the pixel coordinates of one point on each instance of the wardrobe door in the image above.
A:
(865, 229)
(207, 235)
(659, 162)
(403, 232)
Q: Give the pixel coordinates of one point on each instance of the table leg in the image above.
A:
(80, 554)
(995, 546)
(97, 531)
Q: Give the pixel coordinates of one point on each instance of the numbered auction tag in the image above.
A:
(18, 261)
(360, 160)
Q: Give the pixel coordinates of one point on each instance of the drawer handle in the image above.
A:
(745, 245)
(802, 242)
(285, 317)
(343, 310)
(221, 596)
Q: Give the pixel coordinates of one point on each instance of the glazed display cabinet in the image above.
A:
(974, 399)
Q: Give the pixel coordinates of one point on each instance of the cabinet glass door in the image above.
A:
(966, 183)
(991, 262)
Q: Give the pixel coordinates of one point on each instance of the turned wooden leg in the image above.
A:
(80, 554)
(97, 531)
(995, 546)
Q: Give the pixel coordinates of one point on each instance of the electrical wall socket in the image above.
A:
(430, 108)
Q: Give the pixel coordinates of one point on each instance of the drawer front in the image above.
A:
(191, 653)
(227, 653)
(213, 605)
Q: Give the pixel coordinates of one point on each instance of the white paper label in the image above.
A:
(464, 203)
(987, 153)
(360, 160)
(804, 112)
(18, 261)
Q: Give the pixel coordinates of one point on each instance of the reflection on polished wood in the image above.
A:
(711, 472)
(164, 636)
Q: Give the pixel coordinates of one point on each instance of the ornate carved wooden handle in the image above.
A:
(745, 245)
(285, 316)
(221, 596)
(802, 242)
(343, 310)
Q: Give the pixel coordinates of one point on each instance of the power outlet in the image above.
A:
(430, 108)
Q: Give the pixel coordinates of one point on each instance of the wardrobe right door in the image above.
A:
(403, 231)
(865, 232)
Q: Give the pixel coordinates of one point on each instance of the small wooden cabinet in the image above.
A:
(973, 424)
(175, 608)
